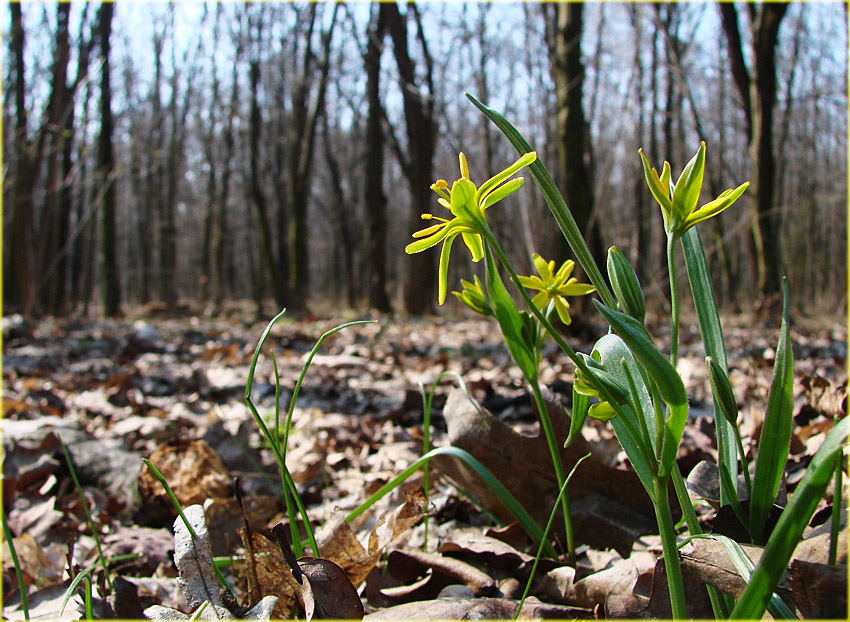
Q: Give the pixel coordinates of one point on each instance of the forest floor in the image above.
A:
(172, 391)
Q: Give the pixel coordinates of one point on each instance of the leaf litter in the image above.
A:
(171, 391)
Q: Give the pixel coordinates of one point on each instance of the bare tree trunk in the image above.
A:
(420, 284)
(106, 161)
(375, 199)
(758, 94)
(574, 172)
(301, 160)
(257, 195)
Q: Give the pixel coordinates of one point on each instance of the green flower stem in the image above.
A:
(671, 550)
(720, 604)
(546, 424)
(674, 299)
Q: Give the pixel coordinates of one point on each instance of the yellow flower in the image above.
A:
(554, 286)
(467, 203)
(679, 202)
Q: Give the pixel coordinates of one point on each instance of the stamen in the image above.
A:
(442, 184)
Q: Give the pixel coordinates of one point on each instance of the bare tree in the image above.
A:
(757, 89)
(574, 171)
(420, 283)
(376, 200)
(106, 170)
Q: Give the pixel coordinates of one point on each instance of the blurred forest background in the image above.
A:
(200, 153)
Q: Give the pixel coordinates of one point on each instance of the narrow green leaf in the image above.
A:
(788, 531)
(705, 304)
(554, 200)
(775, 440)
(510, 320)
(625, 284)
(667, 379)
(744, 565)
(581, 404)
(634, 334)
(504, 495)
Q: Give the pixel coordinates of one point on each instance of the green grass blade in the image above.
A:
(555, 202)
(18, 572)
(788, 531)
(504, 495)
(86, 509)
(775, 440)
(551, 520)
(705, 304)
(744, 565)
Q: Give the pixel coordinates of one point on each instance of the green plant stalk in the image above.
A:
(667, 530)
(674, 299)
(87, 593)
(705, 304)
(86, 509)
(18, 572)
(561, 494)
(546, 424)
(286, 478)
(720, 603)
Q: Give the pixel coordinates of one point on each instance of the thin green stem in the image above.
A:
(546, 424)
(87, 511)
(720, 604)
(667, 530)
(674, 299)
(22, 588)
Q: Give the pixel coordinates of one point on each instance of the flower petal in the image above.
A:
(542, 267)
(659, 189)
(562, 307)
(576, 289)
(475, 246)
(444, 267)
(498, 178)
(726, 199)
(420, 245)
(688, 187)
(427, 231)
(541, 300)
(502, 191)
(531, 282)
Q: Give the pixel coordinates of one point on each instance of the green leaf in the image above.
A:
(708, 316)
(581, 404)
(625, 284)
(775, 440)
(554, 200)
(722, 390)
(629, 428)
(788, 531)
(669, 382)
(510, 320)
(744, 565)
